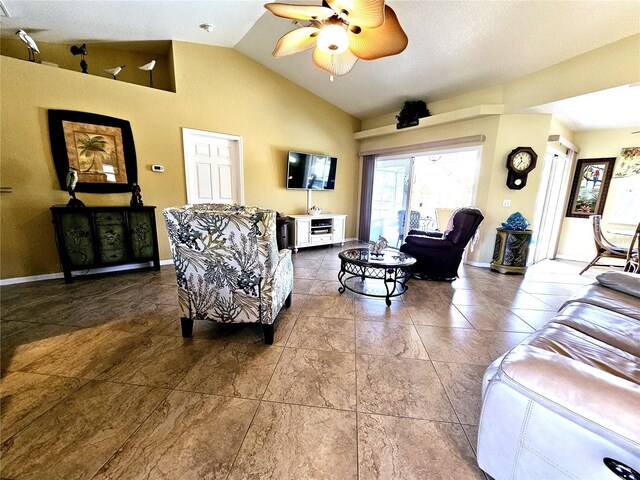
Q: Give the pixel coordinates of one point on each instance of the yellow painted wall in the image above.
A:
(576, 235)
(217, 89)
(559, 128)
(487, 96)
(515, 131)
(610, 66)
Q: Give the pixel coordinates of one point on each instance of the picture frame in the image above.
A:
(590, 187)
(100, 148)
(628, 163)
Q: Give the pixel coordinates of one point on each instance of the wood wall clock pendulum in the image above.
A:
(520, 162)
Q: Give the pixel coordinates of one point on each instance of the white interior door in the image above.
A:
(547, 224)
(213, 167)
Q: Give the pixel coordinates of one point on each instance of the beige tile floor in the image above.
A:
(97, 381)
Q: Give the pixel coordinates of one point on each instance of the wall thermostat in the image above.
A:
(157, 168)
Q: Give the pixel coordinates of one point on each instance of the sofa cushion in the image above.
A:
(595, 384)
(607, 298)
(582, 348)
(605, 325)
(624, 282)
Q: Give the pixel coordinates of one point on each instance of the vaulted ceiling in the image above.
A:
(454, 46)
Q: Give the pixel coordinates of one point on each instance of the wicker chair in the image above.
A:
(414, 223)
(604, 248)
(632, 265)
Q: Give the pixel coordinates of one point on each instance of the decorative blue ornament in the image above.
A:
(515, 222)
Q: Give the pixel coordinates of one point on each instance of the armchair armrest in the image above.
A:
(278, 287)
(425, 234)
(284, 263)
(427, 242)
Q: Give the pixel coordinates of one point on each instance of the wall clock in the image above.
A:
(520, 162)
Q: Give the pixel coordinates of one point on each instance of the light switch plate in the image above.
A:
(506, 203)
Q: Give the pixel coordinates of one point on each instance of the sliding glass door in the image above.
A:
(421, 191)
(390, 196)
(443, 181)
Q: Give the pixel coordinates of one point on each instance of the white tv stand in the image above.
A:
(313, 230)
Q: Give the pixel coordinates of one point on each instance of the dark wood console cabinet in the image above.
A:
(93, 237)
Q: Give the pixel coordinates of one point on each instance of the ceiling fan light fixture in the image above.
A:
(342, 31)
(333, 39)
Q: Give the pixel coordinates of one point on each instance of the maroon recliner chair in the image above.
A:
(439, 254)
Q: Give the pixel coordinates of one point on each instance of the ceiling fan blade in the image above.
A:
(364, 13)
(296, 41)
(371, 43)
(299, 12)
(335, 64)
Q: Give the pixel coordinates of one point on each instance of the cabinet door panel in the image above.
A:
(303, 232)
(338, 229)
(113, 256)
(109, 218)
(112, 245)
(78, 245)
(141, 231)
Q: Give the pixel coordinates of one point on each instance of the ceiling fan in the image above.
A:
(342, 32)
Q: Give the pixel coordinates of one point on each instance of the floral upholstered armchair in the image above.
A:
(228, 267)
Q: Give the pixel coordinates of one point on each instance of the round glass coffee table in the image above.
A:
(360, 272)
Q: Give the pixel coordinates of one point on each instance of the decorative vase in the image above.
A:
(314, 210)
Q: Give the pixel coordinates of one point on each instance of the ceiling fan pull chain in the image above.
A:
(332, 68)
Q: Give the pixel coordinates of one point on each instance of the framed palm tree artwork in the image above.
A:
(99, 148)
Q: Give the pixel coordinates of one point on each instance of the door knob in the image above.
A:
(621, 470)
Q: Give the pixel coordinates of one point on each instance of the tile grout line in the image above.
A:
(441, 383)
(115, 452)
(355, 369)
(52, 406)
(260, 400)
(455, 412)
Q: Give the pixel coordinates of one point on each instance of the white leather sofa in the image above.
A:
(568, 397)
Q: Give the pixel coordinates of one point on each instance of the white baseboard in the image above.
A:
(615, 262)
(53, 276)
(32, 278)
(573, 259)
(477, 264)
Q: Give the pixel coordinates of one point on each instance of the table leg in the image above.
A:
(390, 277)
(340, 276)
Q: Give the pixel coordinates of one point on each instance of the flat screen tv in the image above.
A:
(310, 171)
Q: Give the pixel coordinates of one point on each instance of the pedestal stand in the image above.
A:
(511, 251)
